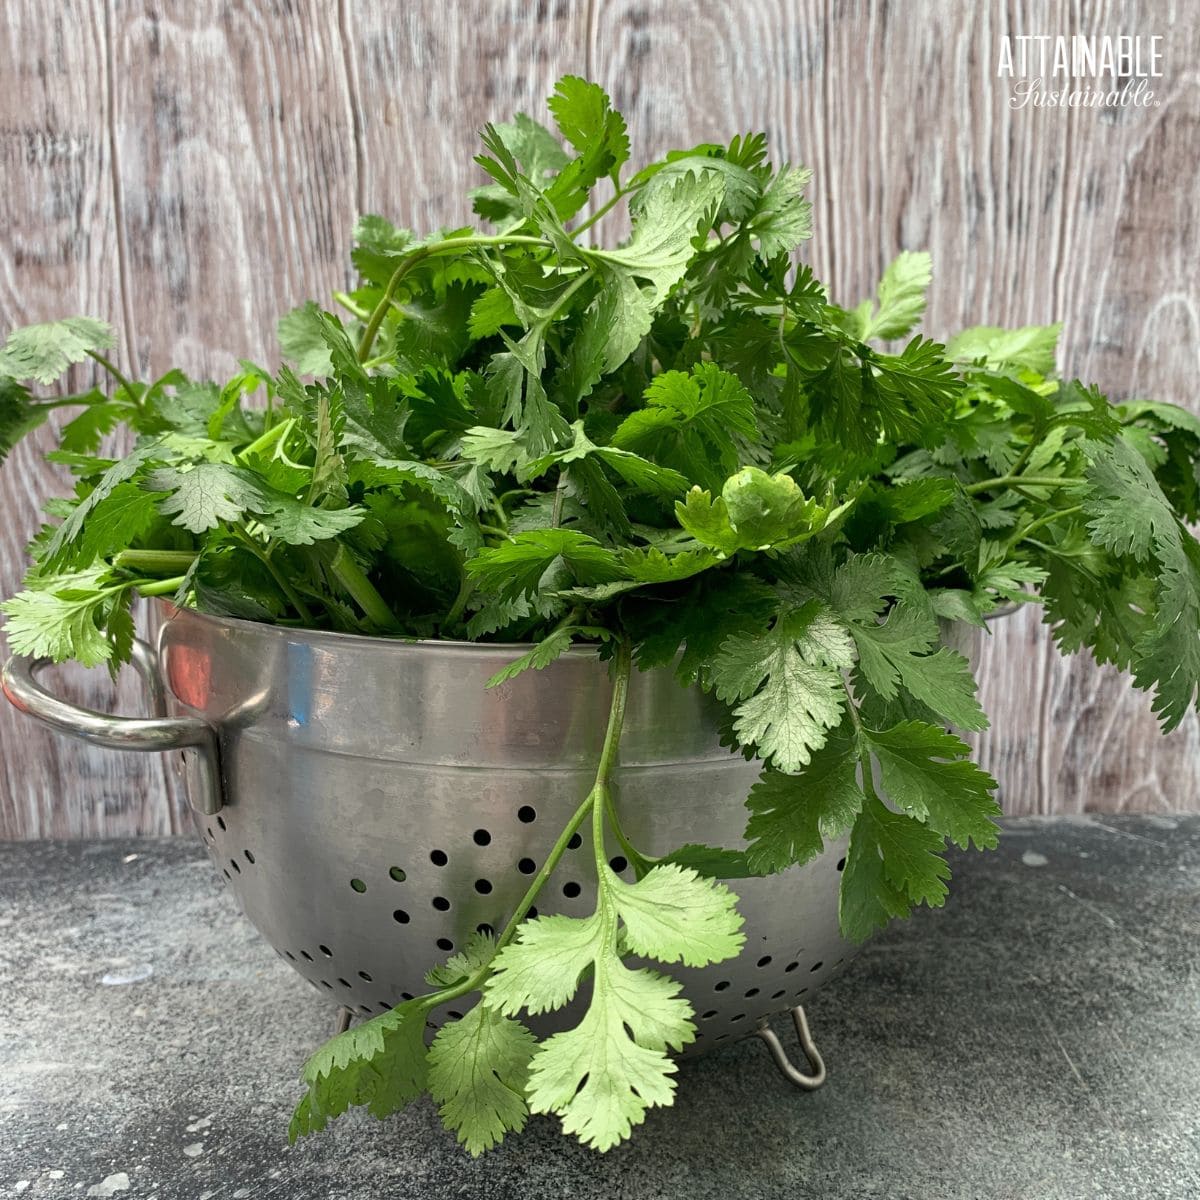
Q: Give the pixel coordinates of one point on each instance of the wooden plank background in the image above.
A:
(191, 170)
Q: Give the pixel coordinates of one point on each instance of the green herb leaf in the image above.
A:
(478, 1071)
(791, 816)
(44, 352)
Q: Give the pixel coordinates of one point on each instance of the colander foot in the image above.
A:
(787, 1069)
(344, 1017)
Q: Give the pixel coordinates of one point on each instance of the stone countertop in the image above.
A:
(1038, 1039)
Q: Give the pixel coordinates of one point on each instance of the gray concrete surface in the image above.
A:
(1039, 1039)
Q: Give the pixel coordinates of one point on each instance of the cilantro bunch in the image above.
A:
(681, 451)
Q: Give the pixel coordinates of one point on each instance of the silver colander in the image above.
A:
(372, 802)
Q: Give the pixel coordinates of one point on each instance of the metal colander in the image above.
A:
(371, 803)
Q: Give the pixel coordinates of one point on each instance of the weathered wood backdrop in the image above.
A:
(191, 170)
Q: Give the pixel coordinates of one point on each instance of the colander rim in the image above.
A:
(362, 640)
(375, 640)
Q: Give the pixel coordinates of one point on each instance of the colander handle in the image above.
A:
(160, 732)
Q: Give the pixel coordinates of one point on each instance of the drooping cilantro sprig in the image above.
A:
(486, 1070)
(680, 451)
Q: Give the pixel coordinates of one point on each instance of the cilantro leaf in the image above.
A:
(478, 1071)
(1032, 347)
(791, 815)
(380, 1064)
(211, 493)
(928, 773)
(19, 415)
(586, 119)
(688, 420)
(67, 616)
(665, 226)
(553, 646)
(63, 547)
(602, 1075)
(519, 567)
(786, 685)
(899, 299)
(44, 352)
(893, 863)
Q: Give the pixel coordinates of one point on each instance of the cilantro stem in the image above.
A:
(281, 582)
(602, 211)
(118, 376)
(348, 303)
(608, 755)
(1022, 534)
(595, 798)
(156, 561)
(418, 256)
(159, 587)
(594, 804)
(465, 591)
(362, 591)
(269, 438)
(560, 494)
(988, 485)
(495, 531)
(641, 862)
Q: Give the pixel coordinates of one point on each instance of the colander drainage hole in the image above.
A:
(778, 995)
(816, 966)
(225, 872)
(457, 1016)
(325, 950)
(751, 993)
(575, 842)
(721, 986)
(304, 954)
(345, 983)
(532, 913)
(618, 864)
(397, 874)
(365, 977)
(841, 866)
(233, 864)
(290, 955)
(708, 1016)
(406, 995)
(325, 983)
(486, 930)
(221, 823)
(358, 885)
(445, 944)
(482, 837)
(441, 903)
(791, 966)
(249, 857)
(400, 916)
(765, 961)
(365, 1009)
(739, 1017)
(439, 858)
(209, 832)
(571, 889)
(527, 866)
(483, 886)
(526, 815)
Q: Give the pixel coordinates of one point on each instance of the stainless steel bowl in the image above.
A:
(371, 802)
